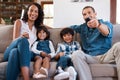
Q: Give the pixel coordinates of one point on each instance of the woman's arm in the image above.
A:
(16, 30)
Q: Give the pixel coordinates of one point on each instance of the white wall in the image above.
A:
(67, 13)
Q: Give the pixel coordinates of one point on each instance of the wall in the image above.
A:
(67, 13)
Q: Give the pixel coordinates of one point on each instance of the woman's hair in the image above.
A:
(66, 31)
(40, 18)
(44, 29)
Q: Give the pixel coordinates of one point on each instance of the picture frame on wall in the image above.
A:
(81, 0)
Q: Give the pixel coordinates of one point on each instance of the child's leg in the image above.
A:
(37, 64)
(64, 62)
(45, 66)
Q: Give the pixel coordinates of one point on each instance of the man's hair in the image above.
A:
(66, 31)
(88, 7)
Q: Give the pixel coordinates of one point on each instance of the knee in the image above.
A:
(46, 59)
(24, 41)
(38, 58)
(13, 53)
(77, 54)
(116, 45)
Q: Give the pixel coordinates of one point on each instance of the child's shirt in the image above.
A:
(68, 48)
(44, 46)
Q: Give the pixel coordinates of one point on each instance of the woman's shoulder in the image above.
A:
(17, 23)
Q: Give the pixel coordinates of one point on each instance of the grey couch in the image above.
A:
(99, 71)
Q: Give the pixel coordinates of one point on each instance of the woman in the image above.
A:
(18, 54)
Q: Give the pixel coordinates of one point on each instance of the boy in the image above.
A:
(63, 55)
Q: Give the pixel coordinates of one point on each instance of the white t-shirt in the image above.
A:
(32, 33)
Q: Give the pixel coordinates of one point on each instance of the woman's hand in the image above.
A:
(25, 34)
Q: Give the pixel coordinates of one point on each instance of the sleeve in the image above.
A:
(59, 48)
(52, 54)
(76, 28)
(34, 48)
(109, 25)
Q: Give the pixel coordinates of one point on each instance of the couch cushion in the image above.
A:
(106, 70)
(6, 33)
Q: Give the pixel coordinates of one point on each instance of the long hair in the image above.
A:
(39, 20)
(44, 29)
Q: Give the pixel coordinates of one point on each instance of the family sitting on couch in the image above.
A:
(96, 37)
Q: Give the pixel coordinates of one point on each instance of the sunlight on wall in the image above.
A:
(118, 12)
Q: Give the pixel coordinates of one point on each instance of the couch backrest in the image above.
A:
(7, 31)
(116, 33)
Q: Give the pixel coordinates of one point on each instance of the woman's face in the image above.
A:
(32, 13)
(42, 35)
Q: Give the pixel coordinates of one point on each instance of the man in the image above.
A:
(96, 37)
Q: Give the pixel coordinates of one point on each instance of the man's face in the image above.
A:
(88, 12)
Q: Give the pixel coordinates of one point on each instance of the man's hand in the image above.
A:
(93, 23)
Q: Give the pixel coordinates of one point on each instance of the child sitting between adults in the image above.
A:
(43, 48)
(64, 67)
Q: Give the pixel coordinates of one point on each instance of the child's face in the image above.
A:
(68, 38)
(42, 35)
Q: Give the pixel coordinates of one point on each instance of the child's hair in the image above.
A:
(44, 29)
(66, 31)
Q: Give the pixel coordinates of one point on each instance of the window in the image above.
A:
(48, 12)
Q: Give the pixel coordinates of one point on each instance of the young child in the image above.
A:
(43, 47)
(63, 55)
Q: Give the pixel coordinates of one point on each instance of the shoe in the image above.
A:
(60, 74)
(72, 73)
(38, 75)
(44, 71)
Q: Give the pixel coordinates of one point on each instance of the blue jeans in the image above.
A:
(64, 62)
(17, 55)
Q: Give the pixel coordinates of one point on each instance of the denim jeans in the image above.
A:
(64, 62)
(17, 55)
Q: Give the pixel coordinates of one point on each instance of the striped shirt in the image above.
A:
(68, 48)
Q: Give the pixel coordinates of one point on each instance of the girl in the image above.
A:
(43, 47)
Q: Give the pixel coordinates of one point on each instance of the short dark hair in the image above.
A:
(88, 7)
(44, 29)
(40, 18)
(66, 31)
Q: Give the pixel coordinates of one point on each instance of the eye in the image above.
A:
(84, 14)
